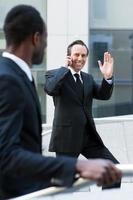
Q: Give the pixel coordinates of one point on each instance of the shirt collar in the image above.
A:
(21, 63)
(73, 72)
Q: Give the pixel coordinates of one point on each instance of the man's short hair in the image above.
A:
(21, 22)
(76, 42)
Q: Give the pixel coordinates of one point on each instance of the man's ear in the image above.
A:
(35, 38)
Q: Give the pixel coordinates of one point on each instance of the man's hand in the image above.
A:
(107, 67)
(68, 61)
(103, 172)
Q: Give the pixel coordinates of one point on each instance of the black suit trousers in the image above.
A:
(92, 149)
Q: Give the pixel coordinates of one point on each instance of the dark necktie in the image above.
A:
(79, 85)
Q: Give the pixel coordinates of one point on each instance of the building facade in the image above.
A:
(104, 26)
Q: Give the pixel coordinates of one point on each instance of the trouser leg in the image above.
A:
(71, 154)
(98, 151)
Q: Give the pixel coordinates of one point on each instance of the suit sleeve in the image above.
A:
(103, 91)
(16, 160)
(54, 80)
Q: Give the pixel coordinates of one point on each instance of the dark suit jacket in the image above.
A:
(22, 167)
(71, 115)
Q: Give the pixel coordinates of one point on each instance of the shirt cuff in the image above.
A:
(110, 80)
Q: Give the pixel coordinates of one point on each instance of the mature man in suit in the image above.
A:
(22, 167)
(74, 131)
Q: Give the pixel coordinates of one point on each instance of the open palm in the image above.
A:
(107, 67)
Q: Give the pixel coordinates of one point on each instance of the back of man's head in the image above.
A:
(21, 22)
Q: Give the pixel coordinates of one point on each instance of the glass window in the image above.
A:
(118, 41)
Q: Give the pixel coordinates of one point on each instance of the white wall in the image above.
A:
(67, 20)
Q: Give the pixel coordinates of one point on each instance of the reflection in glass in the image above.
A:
(120, 44)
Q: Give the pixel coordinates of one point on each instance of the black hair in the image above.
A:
(80, 42)
(21, 22)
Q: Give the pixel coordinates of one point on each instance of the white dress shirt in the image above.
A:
(73, 72)
(21, 63)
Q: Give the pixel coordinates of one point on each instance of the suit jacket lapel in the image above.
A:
(85, 83)
(33, 91)
(24, 77)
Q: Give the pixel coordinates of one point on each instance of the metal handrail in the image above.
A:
(126, 169)
(56, 190)
(46, 132)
